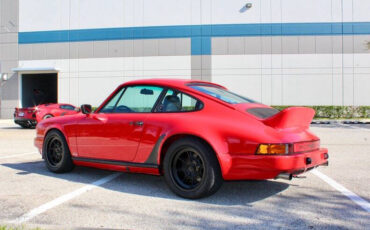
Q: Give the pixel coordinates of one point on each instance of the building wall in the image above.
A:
(280, 52)
(8, 56)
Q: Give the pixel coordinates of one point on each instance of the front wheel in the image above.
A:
(56, 153)
(191, 169)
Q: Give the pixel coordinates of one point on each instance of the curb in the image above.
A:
(316, 122)
(356, 122)
(321, 122)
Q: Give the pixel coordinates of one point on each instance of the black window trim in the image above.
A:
(120, 96)
(160, 98)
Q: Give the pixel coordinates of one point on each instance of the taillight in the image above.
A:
(274, 149)
(283, 149)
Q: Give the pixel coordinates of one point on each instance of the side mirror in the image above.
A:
(86, 109)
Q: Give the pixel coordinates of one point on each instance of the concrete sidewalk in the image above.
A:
(6, 121)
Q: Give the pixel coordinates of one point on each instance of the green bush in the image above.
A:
(337, 112)
(4, 227)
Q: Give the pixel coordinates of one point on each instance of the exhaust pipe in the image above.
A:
(285, 176)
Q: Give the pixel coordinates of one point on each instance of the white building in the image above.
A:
(279, 52)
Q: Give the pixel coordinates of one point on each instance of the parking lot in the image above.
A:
(334, 197)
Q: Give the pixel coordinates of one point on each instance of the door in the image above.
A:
(39, 89)
(65, 109)
(114, 132)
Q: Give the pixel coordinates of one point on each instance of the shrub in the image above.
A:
(336, 112)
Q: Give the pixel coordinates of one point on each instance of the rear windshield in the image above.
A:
(222, 94)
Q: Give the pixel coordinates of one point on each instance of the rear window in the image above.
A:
(67, 107)
(222, 94)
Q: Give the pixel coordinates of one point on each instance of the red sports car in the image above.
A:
(197, 134)
(29, 117)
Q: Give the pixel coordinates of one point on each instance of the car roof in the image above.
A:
(169, 82)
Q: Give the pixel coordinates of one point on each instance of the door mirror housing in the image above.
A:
(86, 109)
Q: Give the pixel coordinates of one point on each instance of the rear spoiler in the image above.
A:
(293, 117)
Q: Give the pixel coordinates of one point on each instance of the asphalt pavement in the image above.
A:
(333, 197)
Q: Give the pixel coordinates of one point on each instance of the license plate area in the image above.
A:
(21, 114)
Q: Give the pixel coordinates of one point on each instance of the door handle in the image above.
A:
(137, 123)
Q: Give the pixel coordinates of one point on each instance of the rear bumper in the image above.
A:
(259, 167)
(25, 122)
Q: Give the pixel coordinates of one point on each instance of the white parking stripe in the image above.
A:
(355, 198)
(16, 155)
(62, 199)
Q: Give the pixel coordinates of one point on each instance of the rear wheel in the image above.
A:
(47, 116)
(56, 153)
(191, 169)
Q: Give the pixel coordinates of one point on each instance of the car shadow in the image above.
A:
(231, 192)
(15, 127)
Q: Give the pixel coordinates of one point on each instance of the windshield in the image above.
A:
(222, 94)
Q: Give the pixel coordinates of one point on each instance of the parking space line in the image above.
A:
(355, 198)
(52, 204)
(16, 155)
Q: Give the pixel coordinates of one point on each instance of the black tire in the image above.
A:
(56, 153)
(191, 169)
(47, 116)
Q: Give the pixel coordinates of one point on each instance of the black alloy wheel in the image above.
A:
(191, 168)
(56, 153)
(188, 168)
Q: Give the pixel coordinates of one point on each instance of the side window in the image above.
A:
(138, 99)
(133, 99)
(67, 107)
(175, 101)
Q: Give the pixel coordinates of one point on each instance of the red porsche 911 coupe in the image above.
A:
(197, 134)
(29, 117)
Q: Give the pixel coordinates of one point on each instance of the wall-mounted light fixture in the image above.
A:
(4, 77)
